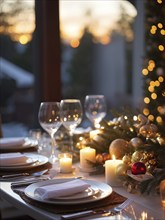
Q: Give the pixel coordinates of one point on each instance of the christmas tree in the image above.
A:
(154, 66)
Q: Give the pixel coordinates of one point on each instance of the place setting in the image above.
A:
(23, 168)
(14, 144)
(18, 161)
(67, 195)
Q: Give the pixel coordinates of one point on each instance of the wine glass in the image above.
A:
(50, 121)
(71, 115)
(95, 108)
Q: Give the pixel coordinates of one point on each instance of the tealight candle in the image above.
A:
(65, 161)
(87, 154)
(110, 171)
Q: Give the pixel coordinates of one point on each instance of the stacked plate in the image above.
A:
(96, 191)
(18, 161)
(16, 143)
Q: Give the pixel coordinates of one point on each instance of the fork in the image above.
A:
(119, 208)
(111, 212)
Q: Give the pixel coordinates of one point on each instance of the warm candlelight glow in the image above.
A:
(93, 133)
(110, 171)
(65, 161)
(113, 157)
(87, 154)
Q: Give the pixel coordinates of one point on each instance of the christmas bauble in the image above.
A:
(161, 140)
(121, 169)
(138, 168)
(126, 159)
(136, 156)
(105, 156)
(143, 120)
(118, 148)
(99, 159)
(136, 142)
(148, 131)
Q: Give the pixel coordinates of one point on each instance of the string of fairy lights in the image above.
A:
(154, 70)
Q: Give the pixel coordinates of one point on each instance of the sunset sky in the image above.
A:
(98, 15)
(102, 15)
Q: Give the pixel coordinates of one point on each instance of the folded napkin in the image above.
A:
(11, 141)
(8, 159)
(55, 191)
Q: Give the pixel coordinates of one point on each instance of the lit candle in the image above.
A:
(65, 161)
(110, 171)
(87, 154)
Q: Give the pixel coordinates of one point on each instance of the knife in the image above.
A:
(36, 174)
(109, 212)
(28, 182)
(85, 213)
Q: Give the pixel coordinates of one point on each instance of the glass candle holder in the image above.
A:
(65, 162)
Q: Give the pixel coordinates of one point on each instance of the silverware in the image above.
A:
(28, 182)
(36, 174)
(110, 212)
(119, 208)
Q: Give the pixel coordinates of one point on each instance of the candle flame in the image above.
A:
(113, 157)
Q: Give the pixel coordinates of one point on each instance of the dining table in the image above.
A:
(141, 206)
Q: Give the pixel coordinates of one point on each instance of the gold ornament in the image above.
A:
(118, 148)
(136, 156)
(148, 131)
(121, 169)
(126, 159)
(161, 140)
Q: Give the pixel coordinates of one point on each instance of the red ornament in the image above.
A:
(138, 168)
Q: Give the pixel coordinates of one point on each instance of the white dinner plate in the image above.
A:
(100, 191)
(28, 143)
(35, 160)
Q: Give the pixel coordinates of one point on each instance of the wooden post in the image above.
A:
(47, 52)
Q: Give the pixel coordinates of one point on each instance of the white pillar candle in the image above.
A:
(87, 154)
(65, 161)
(110, 171)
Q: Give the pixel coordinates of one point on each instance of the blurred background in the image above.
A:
(68, 49)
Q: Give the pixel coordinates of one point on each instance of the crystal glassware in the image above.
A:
(50, 121)
(71, 115)
(95, 108)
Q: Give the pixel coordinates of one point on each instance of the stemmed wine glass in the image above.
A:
(95, 108)
(71, 115)
(50, 121)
